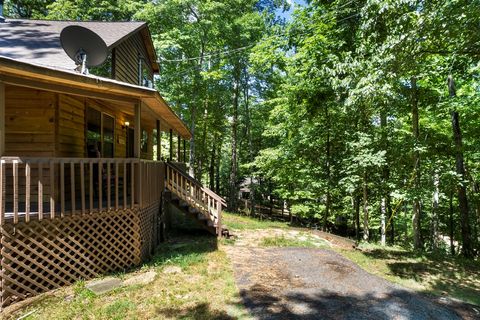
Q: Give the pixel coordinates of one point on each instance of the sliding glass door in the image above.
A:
(100, 134)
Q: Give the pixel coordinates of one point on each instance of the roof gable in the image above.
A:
(38, 41)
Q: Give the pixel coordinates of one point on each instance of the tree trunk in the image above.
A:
(476, 189)
(451, 225)
(392, 221)
(193, 111)
(211, 170)
(217, 171)
(191, 158)
(252, 196)
(204, 155)
(366, 232)
(383, 207)
(436, 182)
(405, 226)
(467, 248)
(327, 170)
(271, 203)
(232, 205)
(385, 178)
(249, 135)
(290, 215)
(417, 210)
(357, 217)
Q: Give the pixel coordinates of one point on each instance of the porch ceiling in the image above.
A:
(69, 82)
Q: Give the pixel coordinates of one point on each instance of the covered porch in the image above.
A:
(82, 177)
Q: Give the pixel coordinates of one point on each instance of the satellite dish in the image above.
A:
(83, 46)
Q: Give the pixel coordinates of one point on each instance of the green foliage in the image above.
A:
(106, 10)
(318, 111)
(26, 9)
(340, 117)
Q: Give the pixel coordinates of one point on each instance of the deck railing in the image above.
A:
(197, 196)
(52, 187)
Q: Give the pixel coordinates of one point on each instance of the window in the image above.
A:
(144, 76)
(108, 135)
(94, 133)
(100, 134)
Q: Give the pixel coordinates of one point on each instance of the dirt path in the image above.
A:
(308, 283)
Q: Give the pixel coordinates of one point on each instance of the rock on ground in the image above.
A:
(172, 269)
(104, 285)
(142, 278)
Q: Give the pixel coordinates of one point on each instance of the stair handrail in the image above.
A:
(192, 179)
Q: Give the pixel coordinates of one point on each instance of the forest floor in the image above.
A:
(269, 270)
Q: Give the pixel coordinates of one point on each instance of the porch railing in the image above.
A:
(43, 188)
(197, 196)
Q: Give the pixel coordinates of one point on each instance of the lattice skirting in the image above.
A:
(42, 255)
(148, 222)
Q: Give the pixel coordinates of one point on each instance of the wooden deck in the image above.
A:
(64, 219)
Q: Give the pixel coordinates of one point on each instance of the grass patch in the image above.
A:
(239, 222)
(301, 242)
(205, 289)
(435, 274)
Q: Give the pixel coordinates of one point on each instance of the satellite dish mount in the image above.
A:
(84, 47)
(81, 59)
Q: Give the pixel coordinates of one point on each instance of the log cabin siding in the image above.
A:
(29, 132)
(126, 59)
(29, 122)
(71, 127)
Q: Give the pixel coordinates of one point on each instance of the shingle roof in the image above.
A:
(38, 41)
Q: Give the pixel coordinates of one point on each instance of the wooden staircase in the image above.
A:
(195, 200)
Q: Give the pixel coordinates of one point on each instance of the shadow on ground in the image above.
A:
(200, 311)
(398, 304)
(183, 245)
(446, 276)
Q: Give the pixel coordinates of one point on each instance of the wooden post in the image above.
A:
(2, 192)
(219, 219)
(178, 148)
(138, 132)
(185, 151)
(159, 142)
(82, 186)
(171, 145)
(136, 177)
(15, 192)
(2, 118)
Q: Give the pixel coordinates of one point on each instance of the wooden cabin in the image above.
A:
(83, 184)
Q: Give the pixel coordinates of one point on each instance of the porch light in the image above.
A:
(127, 124)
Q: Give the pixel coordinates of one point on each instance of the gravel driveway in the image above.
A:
(305, 283)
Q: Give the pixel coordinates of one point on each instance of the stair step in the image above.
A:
(201, 216)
